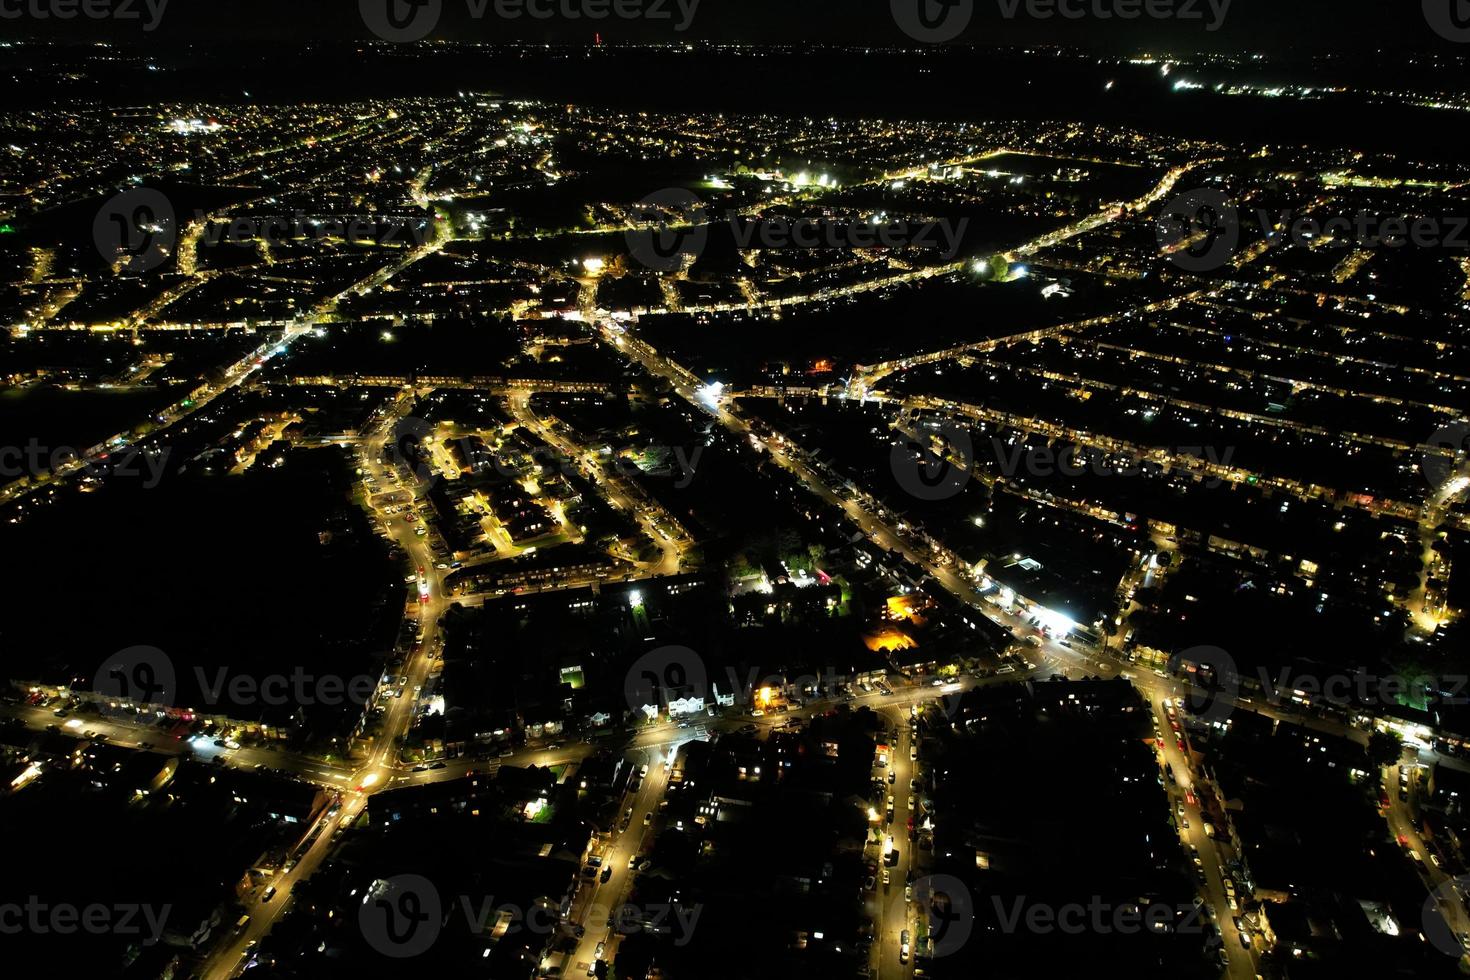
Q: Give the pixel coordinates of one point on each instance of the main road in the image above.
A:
(377, 771)
(877, 530)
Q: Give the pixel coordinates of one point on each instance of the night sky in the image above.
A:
(1299, 27)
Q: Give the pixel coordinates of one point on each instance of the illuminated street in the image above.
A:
(677, 491)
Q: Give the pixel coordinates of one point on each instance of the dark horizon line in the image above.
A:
(1289, 54)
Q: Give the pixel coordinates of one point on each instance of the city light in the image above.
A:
(392, 408)
(1058, 624)
(710, 393)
